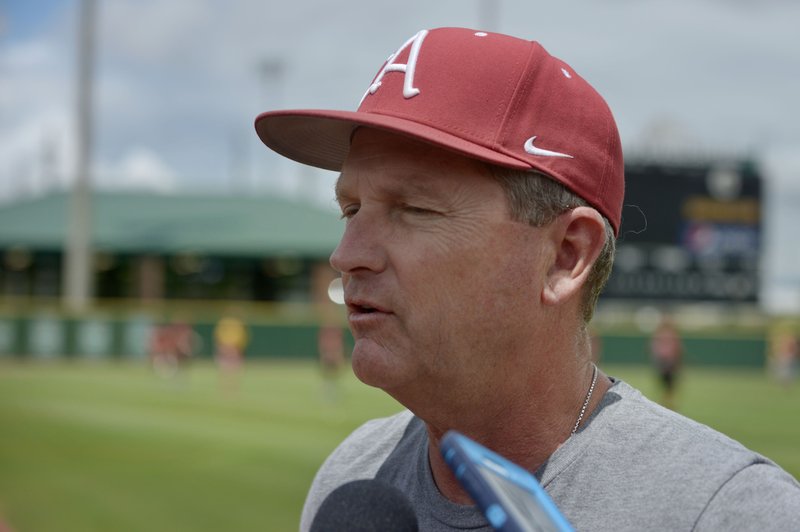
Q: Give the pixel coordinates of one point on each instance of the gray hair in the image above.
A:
(537, 199)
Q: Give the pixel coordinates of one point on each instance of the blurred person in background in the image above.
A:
(666, 353)
(330, 344)
(783, 356)
(326, 293)
(231, 339)
(171, 348)
(482, 186)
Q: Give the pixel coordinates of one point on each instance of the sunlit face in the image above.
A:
(441, 286)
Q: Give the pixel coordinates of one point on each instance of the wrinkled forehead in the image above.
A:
(386, 157)
(403, 158)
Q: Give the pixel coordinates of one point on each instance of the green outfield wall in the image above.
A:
(288, 332)
(710, 350)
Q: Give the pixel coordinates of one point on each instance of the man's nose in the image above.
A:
(362, 247)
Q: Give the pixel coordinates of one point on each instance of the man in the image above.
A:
(666, 352)
(482, 184)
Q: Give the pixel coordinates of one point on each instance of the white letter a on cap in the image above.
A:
(409, 91)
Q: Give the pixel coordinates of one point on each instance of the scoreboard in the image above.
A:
(689, 232)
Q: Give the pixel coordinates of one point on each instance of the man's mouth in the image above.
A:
(363, 307)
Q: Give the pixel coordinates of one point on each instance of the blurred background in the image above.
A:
(172, 352)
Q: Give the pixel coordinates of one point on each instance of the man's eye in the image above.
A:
(348, 211)
(417, 210)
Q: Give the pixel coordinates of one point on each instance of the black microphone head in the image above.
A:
(365, 506)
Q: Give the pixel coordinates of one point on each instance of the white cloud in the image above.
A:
(140, 168)
(26, 55)
(37, 154)
(782, 165)
(33, 78)
(154, 31)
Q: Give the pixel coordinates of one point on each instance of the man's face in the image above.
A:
(442, 287)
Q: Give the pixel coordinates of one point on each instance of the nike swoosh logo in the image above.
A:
(533, 150)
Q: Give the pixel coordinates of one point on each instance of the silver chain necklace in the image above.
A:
(586, 402)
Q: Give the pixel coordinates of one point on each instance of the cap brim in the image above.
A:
(321, 138)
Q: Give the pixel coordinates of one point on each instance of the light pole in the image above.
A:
(77, 270)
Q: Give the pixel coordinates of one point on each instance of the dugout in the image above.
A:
(160, 258)
(150, 246)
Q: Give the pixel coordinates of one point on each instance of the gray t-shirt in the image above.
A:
(633, 466)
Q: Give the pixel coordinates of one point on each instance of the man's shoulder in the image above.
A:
(758, 497)
(640, 463)
(672, 438)
(370, 444)
(649, 429)
(358, 457)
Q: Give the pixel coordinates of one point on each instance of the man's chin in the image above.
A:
(375, 366)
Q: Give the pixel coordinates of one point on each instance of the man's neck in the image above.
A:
(516, 437)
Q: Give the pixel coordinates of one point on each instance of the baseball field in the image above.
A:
(111, 446)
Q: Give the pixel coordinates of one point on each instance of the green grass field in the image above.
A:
(87, 447)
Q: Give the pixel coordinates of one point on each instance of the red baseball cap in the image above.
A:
(488, 96)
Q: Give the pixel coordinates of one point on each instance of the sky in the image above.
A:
(178, 84)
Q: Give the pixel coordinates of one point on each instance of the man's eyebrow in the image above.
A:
(402, 186)
(337, 189)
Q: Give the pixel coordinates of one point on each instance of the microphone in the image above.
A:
(365, 506)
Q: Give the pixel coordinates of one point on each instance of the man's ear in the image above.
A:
(578, 237)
